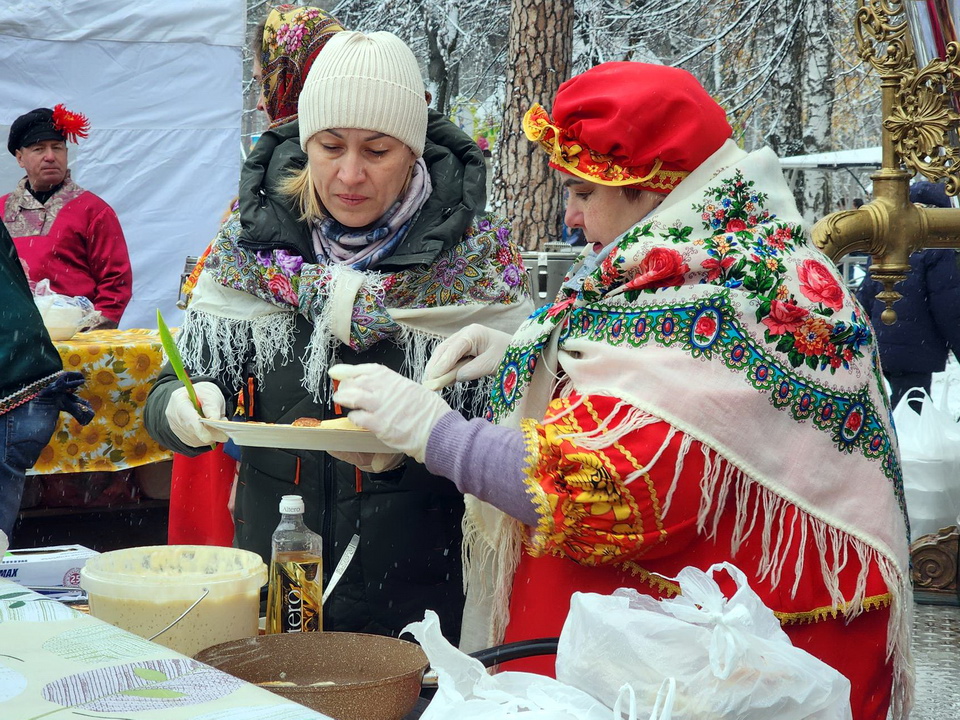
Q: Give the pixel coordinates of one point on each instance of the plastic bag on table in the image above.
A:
(929, 440)
(64, 315)
(466, 691)
(728, 658)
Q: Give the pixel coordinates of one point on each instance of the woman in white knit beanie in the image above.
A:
(363, 125)
(363, 239)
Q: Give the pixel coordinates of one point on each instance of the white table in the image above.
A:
(59, 664)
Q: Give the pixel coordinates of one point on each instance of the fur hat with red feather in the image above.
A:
(46, 124)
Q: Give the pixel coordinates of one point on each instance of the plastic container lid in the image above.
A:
(291, 504)
(165, 572)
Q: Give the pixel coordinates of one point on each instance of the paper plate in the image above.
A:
(258, 434)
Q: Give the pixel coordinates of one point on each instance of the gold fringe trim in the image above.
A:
(657, 582)
(545, 525)
(874, 602)
(672, 589)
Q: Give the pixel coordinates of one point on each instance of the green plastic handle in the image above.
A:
(176, 362)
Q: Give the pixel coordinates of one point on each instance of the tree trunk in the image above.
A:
(819, 100)
(525, 189)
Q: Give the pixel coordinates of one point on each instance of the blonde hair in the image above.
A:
(298, 186)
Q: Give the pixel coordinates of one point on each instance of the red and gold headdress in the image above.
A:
(630, 124)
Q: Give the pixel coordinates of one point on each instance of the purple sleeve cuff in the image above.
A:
(484, 460)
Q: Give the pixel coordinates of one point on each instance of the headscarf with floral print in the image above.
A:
(292, 38)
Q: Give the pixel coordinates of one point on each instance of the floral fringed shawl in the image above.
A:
(243, 297)
(716, 315)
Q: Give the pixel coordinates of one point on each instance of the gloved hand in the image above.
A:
(370, 462)
(478, 347)
(400, 412)
(184, 420)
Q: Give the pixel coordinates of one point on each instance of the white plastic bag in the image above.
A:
(465, 691)
(64, 315)
(728, 658)
(930, 456)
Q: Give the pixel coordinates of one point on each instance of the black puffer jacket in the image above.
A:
(408, 520)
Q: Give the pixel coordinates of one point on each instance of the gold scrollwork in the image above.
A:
(882, 42)
(921, 131)
(924, 116)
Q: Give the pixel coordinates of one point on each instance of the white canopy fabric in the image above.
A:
(860, 158)
(161, 84)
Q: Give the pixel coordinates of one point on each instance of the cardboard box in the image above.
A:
(48, 567)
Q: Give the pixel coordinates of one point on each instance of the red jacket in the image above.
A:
(75, 241)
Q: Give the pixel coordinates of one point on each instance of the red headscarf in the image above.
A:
(292, 38)
(630, 123)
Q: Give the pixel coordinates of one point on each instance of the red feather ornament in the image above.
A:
(72, 125)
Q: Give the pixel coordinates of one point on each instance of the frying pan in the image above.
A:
(375, 677)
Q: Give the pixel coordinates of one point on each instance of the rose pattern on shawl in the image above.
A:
(741, 254)
(716, 267)
(705, 326)
(744, 255)
(280, 286)
(818, 284)
(661, 267)
(784, 317)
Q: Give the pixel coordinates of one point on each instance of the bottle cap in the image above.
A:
(290, 504)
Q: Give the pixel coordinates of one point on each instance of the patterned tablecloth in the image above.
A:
(120, 367)
(60, 664)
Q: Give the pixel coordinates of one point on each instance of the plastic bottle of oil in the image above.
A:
(296, 573)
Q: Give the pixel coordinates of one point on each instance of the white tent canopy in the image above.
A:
(161, 85)
(862, 158)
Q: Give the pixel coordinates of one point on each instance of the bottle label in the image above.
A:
(295, 595)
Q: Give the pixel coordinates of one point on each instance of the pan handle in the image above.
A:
(502, 653)
(516, 650)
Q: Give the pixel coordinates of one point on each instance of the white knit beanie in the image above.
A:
(366, 81)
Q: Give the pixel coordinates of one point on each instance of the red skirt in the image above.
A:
(199, 492)
(540, 602)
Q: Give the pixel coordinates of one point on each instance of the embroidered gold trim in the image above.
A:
(545, 526)
(657, 582)
(672, 589)
(873, 602)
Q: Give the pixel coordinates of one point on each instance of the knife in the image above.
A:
(176, 362)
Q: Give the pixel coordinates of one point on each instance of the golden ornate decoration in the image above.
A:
(919, 135)
(882, 42)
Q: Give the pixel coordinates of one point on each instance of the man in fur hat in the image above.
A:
(63, 233)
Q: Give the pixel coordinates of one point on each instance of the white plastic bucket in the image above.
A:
(144, 589)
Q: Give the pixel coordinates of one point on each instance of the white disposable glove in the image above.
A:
(470, 353)
(184, 420)
(370, 462)
(400, 412)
